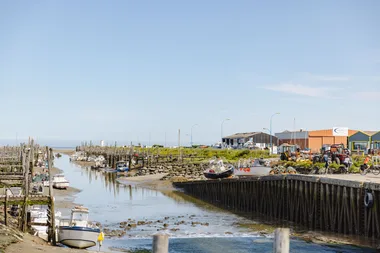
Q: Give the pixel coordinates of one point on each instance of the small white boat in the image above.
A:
(252, 168)
(78, 232)
(39, 219)
(122, 166)
(60, 182)
(217, 170)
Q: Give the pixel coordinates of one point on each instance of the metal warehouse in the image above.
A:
(260, 138)
(300, 138)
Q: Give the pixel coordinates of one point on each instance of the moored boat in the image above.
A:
(39, 219)
(255, 167)
(78, 232)
(60, 182)
(217, 170)
(122, 166)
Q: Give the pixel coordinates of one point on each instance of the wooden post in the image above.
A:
(31, 159)
(281, 240)
(6, 208)
(52, 235)
(26, 193)
(130, 162)
(160, 243)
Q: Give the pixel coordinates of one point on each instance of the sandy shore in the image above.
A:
(149, 181)
(33, 244)
(64, 151)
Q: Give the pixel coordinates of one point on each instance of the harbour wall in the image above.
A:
(315, 203)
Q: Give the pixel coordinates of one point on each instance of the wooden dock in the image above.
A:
(16, 169)
(346, 207)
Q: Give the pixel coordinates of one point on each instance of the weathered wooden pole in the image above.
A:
(52, 234)
(160, 243)
(31, 159)
(26, 192)
(6, 208)
(281, 240)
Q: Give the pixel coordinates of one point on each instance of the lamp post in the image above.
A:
(191, 135)
(271, 143)
(266, 129)
(221, 130)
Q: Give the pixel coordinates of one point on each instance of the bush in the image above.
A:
(319, 165)
(354, 169)
(334, 166)
(291, 164)
(305, 164)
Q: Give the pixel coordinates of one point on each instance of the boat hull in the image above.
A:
(122, 169)
(254, 171)
(61, 185)
(78, 237)
(223, 174)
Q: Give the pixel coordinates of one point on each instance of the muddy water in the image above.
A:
(192, 227)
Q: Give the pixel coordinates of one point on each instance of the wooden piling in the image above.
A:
(6, 208)
(281, 240)
(31, 159)
(51, 211)
(26, 192)
(160, 243)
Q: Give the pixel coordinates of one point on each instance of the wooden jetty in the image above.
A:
(141, 157)
(316, 203)
(16, 170)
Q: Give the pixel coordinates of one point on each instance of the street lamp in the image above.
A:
(191, 135)
(271, 143)
(221, 130)
(266, 129)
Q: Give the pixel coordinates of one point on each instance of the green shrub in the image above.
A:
(319, 165)
(230, 155)
(290, 164)
(304, 164)
(334, 166)
(354, 169)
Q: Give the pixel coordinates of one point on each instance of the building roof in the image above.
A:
(242, 135)
(287, 135)
(369, 133)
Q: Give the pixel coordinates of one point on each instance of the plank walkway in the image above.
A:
(20, 199)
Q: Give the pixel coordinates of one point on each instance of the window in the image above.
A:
(360, 145)
(80, 216)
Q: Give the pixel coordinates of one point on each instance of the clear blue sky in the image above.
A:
(119, 70)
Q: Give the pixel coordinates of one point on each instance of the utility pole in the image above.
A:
(271, 142)
(191, 135)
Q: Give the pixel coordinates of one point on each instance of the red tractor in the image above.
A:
(337, 153)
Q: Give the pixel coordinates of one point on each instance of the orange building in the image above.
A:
(318, 138)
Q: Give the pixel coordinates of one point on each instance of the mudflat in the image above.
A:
(34, 244)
